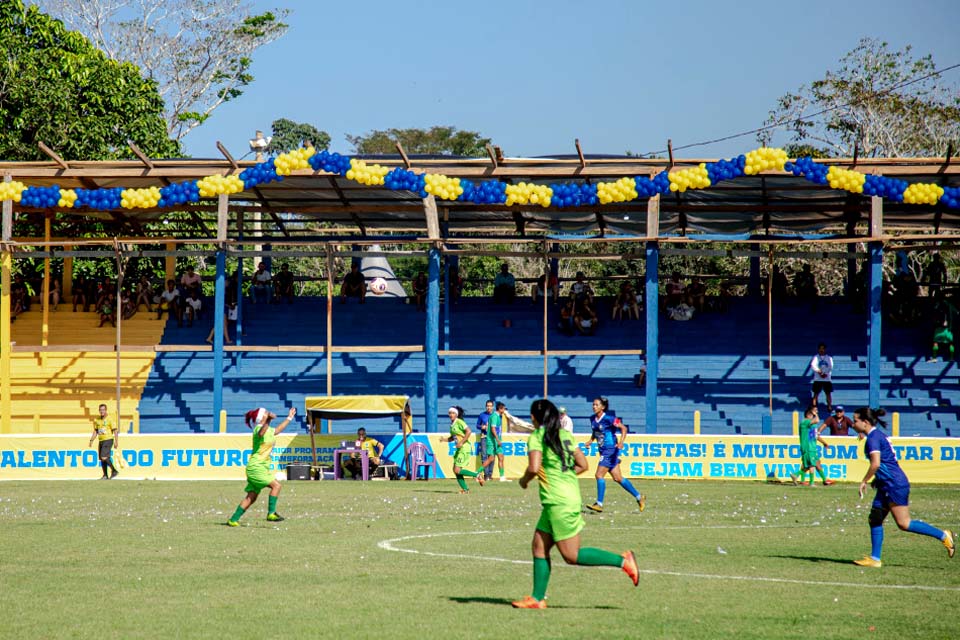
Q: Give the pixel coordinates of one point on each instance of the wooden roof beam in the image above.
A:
(403, 154)
(53, 155)
(493, 156)
(226, 154)
(147, 162)
(583, 161)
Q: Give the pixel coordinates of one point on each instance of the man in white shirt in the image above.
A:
(262, 281)
(170, 302)
(565, 421)
(822, 366)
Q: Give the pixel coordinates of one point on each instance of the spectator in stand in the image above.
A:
(19, 290)
(504, 286)
(552, 289)
(566, 318)
(353, 285)
(108, 310)
(585, 319)
(262, 281)
(779, 284)
(725, 297)
(935, 276)
(566, 422)
(682, 311)
(228, 317)
(805, 286)
(127, 306)
(580, 290)
(190, 281)
(906, 291)
(16, 304)
(697, 294)
(822, 365)
(56, 294)
(283, 284)
(104, 291)
(420, 286)
(675, 290)
(79, 293)
(351, 461)
(92, 292)
(170, 302)
(626, 303)
(838, 423)
(456, 283)
(231, 293)
(942, 337)
(145, 293)
(192, 306)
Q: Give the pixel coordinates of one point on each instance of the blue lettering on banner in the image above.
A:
(950, 453)
(667, 469)
(719, 450)
(732, 470)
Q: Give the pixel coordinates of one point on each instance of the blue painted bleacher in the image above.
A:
(716, 363)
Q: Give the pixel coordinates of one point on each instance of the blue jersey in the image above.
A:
(482, 421)
(603, 430)
(889, 474)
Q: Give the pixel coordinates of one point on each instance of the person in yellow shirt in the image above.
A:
(374, 449)
(107, 433)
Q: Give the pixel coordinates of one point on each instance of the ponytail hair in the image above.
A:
(871, 416)
(460, 412)
(546, 415)
(256, 417)
(604, 402)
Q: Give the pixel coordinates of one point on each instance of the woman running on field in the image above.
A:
(460, 433)
(555, 459)
(893, 489)
(259, 476)
(604, 428)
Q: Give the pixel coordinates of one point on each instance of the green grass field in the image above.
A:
(131, 559)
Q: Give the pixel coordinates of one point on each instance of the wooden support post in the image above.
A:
(546, 290)
(6, 264)
(67, 277)
(493, 156)
(135, 422)
(876, 217)
(223, 421)
(45, 296)
(795, 417)
(433, 219)
(403, 154)
(170, 263)
(895, 424)
(770, 333)
(583, 161)
(329, 352)
(696, 422)
(53, 155)
(653, 217)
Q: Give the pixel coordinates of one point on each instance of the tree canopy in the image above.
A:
(888, 103)
(198, 51)
(435, 140)
(289, 135)
(56, 87)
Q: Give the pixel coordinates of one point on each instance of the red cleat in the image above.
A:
(630, 567)
(529, 602)
(828, 482)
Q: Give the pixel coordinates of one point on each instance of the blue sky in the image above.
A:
(533, 76)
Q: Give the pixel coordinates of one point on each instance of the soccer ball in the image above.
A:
(378, 286)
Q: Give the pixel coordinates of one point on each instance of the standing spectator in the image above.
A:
(626, 303)
(942, 336)
(262, 279)
(675, 290)
(354, 285)
(552, 289)
(838, 423)
(566, 422)
(805, 286)
(283, 284)
(190, 282)
(145, 293)
(170, 302)
(19, 290)
(105, 430)
(420, 291)
(822, 365)
(79, 293)
(935, 275)
(779, 283)
(92, 290)
(57, 294)
(504, 286)
(192, 306)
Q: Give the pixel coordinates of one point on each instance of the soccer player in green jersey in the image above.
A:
(460, 433)
(259, 476)
(554, 458)
(494, 446)
(809, 455)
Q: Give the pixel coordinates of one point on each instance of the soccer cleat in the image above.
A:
(275, 517)
(828, 482)
(480, 480)
(104, 477)
(462, 491)
(867, 561)
(642, 502)
(793, 479)
(596, 506)
(233, 523)
(505, 479)
(529, 602)
(630, 568)
(113, 474)
(949, 542)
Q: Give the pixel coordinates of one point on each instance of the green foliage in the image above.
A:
(435, 140)
(57, 88)
(879, 99)
(289, 135)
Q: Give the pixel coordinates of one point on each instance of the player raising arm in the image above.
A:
(258, 468)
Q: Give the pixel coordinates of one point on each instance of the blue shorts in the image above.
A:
(609, 457)
(898, 494)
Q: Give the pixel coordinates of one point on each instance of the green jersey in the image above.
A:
(558, 482)
(262, 446)
(808, 436)
(494, 426)
(458, 428)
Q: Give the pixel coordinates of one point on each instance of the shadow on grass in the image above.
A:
(507, 602)
(847, 561)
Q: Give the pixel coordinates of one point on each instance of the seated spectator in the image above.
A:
(566, 318)
(283, 284)
(56, 294)
(190, 281)
(420, 286)
(935, 276)
(192, 306)
(779, 284)
(681, 312)
(625, 306)
(456, 283)
(79, 293)
(262, 280)
(354, 285)
(127, 305)
(675, 290)
(108, 310)
(92, 292)
(351, 462)
(904, 304)
(231, 293)
(838, 423)
(104, 291)
(504, 286)
(552, 289)
(229, 316)
(725, 297)
(805, 286)
(942, 337)
(585, 319)
(170, 302)
(580, 290)
(144, 294)
(19, 290)
(697, 294)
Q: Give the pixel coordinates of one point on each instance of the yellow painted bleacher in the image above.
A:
(59, 390)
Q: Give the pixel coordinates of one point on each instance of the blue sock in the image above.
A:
(924, 529)
(876, 541)
(630, 488)
(601, 489)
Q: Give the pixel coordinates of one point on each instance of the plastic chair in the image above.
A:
(419, 456)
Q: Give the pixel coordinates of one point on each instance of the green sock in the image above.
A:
(591, 557)
(470, 474)
(822, 474)
(541, 576)
(272, 505)
(237, 514)
(463, 485)
(501, 472)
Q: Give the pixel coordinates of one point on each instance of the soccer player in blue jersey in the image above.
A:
(604, 428)
(893, 488)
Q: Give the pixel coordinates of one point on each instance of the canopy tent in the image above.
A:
(351, 407)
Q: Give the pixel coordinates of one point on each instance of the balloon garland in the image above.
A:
(493, 192)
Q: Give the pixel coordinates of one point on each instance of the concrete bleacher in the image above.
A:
(716, 364)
